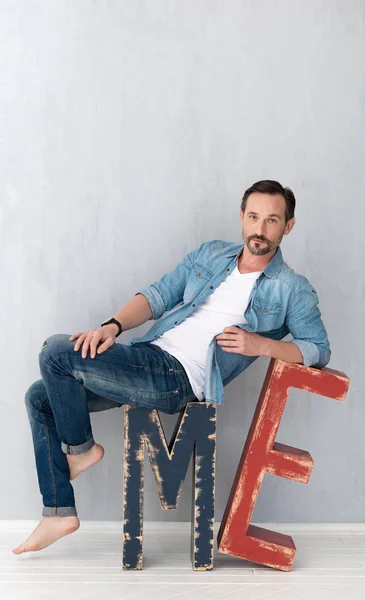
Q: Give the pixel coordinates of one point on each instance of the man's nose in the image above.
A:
(260, 228)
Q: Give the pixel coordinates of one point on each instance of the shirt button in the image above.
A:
(227, 269)
(193, 304)
(175, 322)
(211, 287)
(198, 274)
(265, 309)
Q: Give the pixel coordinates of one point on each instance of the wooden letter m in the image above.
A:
(195, 433)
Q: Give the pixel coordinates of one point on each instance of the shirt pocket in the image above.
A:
(270, 314)
(198, 278)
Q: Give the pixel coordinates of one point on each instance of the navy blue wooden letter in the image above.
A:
(195, 433)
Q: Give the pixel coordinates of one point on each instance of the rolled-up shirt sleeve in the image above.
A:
(304, 321)
(168, 291)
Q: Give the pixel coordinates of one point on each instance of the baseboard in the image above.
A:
(181, 526)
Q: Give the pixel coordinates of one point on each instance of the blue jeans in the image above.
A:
(58, 405)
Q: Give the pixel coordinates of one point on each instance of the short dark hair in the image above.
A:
(269, 186)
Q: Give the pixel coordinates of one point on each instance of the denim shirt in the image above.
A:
(281, 302)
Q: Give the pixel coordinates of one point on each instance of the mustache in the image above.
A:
(257, 237)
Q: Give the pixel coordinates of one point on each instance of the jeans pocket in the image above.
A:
(165, 401)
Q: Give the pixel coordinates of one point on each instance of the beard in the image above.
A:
(263, 247)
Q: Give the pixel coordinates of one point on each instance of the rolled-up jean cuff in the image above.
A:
(80, 449)
(60, 511)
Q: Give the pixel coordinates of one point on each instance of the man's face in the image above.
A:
(263, 223)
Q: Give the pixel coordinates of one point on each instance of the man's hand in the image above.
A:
(237, 340)
(92, 338)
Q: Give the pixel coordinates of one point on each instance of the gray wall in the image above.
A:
(128, 133)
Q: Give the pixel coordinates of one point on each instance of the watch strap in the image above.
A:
(112, 320)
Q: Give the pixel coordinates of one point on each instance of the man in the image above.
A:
(220, 309)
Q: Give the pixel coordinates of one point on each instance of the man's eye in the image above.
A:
(252, 217)
(272, 220)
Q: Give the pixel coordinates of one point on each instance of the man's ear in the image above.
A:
(289, 226)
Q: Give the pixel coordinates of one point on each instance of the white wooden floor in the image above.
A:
(329, 565)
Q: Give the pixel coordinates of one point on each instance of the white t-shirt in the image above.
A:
(189, 340)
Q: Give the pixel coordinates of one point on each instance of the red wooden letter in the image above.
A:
(261, 453)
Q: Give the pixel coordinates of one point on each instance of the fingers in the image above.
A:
(75, 335)
(84, 339)
(228, 341)
(95, 340)
(232, 343)
(90, 340)
(226, 336)
(105, 345)
(80, 340)
(235, 350)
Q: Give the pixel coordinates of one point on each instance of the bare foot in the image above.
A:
(48, 530)
(81, 462)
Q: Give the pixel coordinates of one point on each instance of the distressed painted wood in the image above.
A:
(262, 454)
(194, 434)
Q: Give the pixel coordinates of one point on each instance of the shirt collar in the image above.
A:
(273, 268)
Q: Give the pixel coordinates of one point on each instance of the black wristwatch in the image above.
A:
(112, 320)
